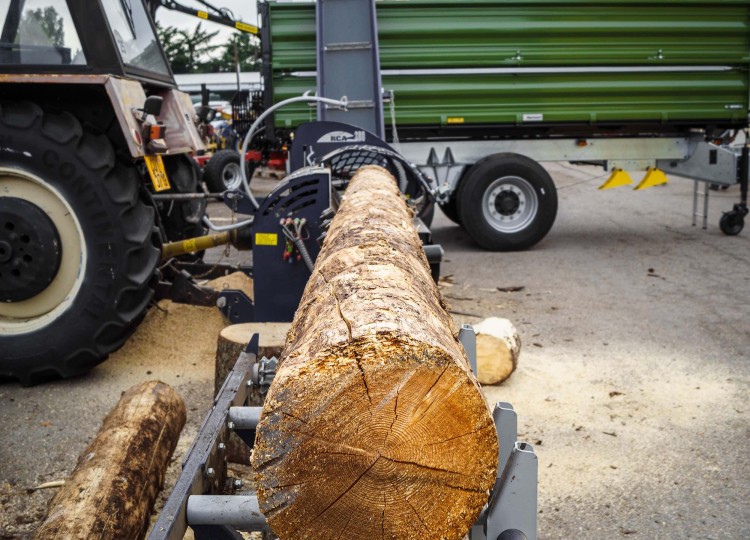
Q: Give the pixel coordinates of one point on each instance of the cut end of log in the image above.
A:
(498, 349)
(394, 435)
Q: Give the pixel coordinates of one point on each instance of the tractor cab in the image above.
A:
(82, 37)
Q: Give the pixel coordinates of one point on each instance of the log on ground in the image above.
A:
(498, 349)
(112, 490)
(374, 426)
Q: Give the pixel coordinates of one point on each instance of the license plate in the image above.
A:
(155, 166)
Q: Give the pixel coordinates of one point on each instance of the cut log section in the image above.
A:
(374, 426)
(232, 341)
(112, 490)
(498, 348)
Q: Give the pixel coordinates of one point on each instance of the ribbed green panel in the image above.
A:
(505, 99)
(420, 34)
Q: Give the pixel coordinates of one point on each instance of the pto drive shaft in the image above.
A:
(239, 238)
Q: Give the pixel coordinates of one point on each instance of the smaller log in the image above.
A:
(498, 348)
(232, 341)
(112, 490)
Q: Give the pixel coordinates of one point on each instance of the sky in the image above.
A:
(244, 10)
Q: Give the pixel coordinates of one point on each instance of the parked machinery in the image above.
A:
(480, 93)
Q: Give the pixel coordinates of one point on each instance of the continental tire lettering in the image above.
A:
(67, 170)
(105, 251)
(50, 159)
(106, 274)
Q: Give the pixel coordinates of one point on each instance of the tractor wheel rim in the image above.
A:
(232, 176)
(36, 312)
(30, 250)
(510, 204)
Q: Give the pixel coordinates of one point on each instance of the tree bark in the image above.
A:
(111, 492)
(374, 426)
(232, 341)
(498, 348)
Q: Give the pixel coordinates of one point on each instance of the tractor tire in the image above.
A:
(507, 202)
(222, 172)
(78, 248)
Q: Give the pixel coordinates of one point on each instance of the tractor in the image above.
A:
(92, 127)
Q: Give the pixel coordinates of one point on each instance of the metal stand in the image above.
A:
(197, 500)
(349, 62)
(696, 197)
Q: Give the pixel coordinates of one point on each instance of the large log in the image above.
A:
(374, 426)
(112, 490)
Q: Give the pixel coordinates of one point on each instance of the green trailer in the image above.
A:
(478, 92)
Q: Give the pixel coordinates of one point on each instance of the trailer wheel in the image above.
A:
(78, 246)
(732, 223)
(450, 209)
(507, 202)
(222, 172)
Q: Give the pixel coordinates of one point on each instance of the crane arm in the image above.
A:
(218, 16)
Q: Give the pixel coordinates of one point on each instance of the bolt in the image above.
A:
(222, 446)
(210, 472)
(238, 483)
(230, 425)
(221, 302)
(250, 384)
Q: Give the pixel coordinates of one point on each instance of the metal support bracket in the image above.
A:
(203, 466)
(182, 289)
(239, 202)
(468, 338)
(236, 306)
(512, 509)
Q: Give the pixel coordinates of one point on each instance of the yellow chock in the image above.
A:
(618, 178)
(654, 177)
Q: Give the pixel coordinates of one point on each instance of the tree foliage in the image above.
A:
(247, 54)
(42, 27)
(195, 52)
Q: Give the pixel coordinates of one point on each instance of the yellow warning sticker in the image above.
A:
(157, 172)
(246, 27)
(202, 15)
(455, 120)
(266, 239)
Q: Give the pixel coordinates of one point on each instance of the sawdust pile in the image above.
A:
(174, 335)
(181, 335)
(238, 281)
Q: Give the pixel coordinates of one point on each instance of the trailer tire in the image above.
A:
(222, 172)
(68, 203)
(507, 202)
(450, 209)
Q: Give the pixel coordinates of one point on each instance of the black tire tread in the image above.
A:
(212, 172)
(469, 200)
(141, 253)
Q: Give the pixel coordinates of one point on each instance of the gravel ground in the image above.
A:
(632, 383)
